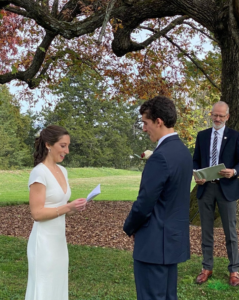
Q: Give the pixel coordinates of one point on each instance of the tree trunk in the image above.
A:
(230, 94)
(230, 78)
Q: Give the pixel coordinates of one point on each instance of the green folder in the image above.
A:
(209, 173)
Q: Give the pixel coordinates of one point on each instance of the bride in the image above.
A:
(49, 192)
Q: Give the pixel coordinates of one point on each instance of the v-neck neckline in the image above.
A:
(57, 180)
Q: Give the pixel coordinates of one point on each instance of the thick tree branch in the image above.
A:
(185, 53)
(17, 11)
(28, 75)
(233, 23)
(43, 72)
(4, 3)
(133, 46)
(236, 9)
(131, 14)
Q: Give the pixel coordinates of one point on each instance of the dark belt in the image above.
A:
(215, 181)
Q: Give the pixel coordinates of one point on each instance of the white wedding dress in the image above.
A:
(47, 248)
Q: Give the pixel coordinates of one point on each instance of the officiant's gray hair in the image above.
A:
(221, 103)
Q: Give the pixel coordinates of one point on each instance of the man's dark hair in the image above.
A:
(160, 107)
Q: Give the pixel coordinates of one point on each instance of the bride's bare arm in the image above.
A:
(37, 198)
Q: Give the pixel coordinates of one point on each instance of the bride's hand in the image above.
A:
(78, 204)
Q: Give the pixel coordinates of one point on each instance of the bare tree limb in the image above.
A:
(185, 53)
(107, 17)
(203, 32)
(158, 34)
(17, 11)
(54, 10)
(187, 23)
(148, 28)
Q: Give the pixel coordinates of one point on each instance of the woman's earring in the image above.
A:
(49, 150)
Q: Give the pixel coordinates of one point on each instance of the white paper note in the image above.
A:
(96, 191)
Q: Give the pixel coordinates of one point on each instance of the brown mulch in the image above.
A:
(99, 225)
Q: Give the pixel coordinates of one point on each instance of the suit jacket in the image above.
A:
(159, 217)
(229, 155)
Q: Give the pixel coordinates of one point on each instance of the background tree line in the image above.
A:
(104, 132)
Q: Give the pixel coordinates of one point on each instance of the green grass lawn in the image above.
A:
(115, 184)
(96, 273)
(106, 274)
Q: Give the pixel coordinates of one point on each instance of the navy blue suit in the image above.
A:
(224, 193)
(159, 218)
(229, 155)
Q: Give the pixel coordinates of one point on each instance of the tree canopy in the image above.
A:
(74, 32)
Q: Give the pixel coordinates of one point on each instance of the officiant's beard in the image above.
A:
(218, 126)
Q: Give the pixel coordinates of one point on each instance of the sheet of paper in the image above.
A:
(96, 191)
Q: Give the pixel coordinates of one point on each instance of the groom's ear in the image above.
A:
(159, 122)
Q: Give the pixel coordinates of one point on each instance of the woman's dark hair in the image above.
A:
(51, 134)
(160, 107)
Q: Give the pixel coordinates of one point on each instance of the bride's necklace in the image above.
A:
(54, 169)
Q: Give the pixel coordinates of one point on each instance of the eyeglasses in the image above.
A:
(216, 116)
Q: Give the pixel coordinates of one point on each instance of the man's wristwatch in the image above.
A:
(234, 172)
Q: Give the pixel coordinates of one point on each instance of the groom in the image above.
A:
(159, 218)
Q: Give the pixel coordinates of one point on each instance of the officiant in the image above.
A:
(215, 145)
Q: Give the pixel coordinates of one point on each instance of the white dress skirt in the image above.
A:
(47, 248)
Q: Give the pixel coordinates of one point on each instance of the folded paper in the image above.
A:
(96, 191)
(210, 173)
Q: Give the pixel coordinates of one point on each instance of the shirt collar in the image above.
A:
(164, 137)
(220, 131)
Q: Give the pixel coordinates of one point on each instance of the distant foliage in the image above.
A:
(15, 132)
(104, 132)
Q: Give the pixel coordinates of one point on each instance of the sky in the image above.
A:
(40, 102)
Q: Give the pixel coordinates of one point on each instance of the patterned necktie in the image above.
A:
(214, 149)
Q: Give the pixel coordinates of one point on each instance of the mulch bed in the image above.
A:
(99, 225)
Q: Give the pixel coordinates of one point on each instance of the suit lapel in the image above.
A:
(207, 145)
(226, 136)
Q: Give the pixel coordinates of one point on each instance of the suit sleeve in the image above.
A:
(154, 176)
(236, 167)
(197, 155)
